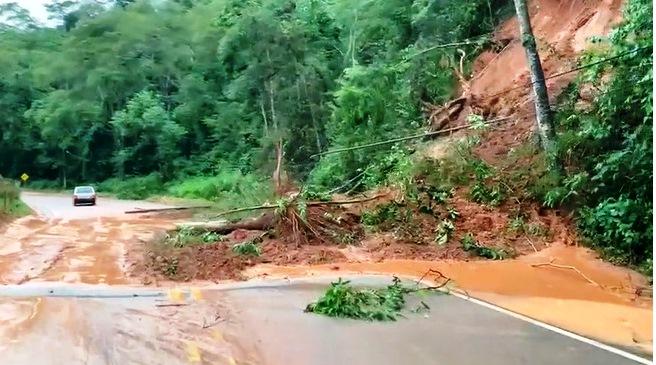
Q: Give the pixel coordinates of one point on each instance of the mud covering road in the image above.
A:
(66, 299)
(64, 243)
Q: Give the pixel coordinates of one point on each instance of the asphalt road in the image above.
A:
(67, 301)
(61, 206)
(264, 323)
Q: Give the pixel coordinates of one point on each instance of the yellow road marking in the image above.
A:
(193, 353)
(217, 335)
(196, 294)
(176, 295)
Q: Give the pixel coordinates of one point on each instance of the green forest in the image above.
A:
(191, 97)
(187, 88)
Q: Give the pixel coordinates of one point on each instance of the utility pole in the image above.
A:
(544, 117)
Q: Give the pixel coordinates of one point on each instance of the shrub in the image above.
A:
(471, 245)
(386, 214)
(249, 248)
(139, 187)
(444, 231)
(620, 227)
(44, 185)
(10, 202)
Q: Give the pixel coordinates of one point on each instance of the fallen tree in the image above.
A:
(295, 220)
(262, 223)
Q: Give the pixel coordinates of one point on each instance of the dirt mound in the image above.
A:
(218, 261)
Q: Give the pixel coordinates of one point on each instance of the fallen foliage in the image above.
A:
(384, 304)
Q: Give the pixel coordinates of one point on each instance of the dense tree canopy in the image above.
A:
(125, 88)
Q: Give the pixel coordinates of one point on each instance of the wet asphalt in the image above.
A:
(265, 323)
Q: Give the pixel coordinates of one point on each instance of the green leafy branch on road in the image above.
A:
(342, 300)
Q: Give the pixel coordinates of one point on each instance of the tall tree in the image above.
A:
(543, 115)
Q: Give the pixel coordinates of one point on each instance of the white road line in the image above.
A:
(560, 331)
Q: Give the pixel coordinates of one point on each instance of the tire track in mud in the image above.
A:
(27, 248)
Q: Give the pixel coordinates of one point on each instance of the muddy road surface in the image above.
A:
(67, 298)
(82, 244)
(60, 206)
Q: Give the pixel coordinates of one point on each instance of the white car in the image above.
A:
(84, 195)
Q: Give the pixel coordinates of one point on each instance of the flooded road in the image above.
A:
(66, 288)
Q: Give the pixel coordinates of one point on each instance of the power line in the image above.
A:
(569, 71)
(415, 136)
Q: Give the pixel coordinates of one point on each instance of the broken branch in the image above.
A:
(551, 264)
(438, 275)
(532, 245)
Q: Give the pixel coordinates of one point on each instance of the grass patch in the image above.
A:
(18, 209)
(227, 190)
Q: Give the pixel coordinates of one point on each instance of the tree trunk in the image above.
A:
(264, 117)
(543, 115)
(278, 184)
(62, 168)
(261, 223)
(315, 125)
(274, 121)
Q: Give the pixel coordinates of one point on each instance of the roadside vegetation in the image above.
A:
(10, 204)
(605, 142)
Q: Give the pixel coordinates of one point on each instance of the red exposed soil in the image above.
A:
(501, 84)
(217, 261)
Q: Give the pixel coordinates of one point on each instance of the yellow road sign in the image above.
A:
(24, 177)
